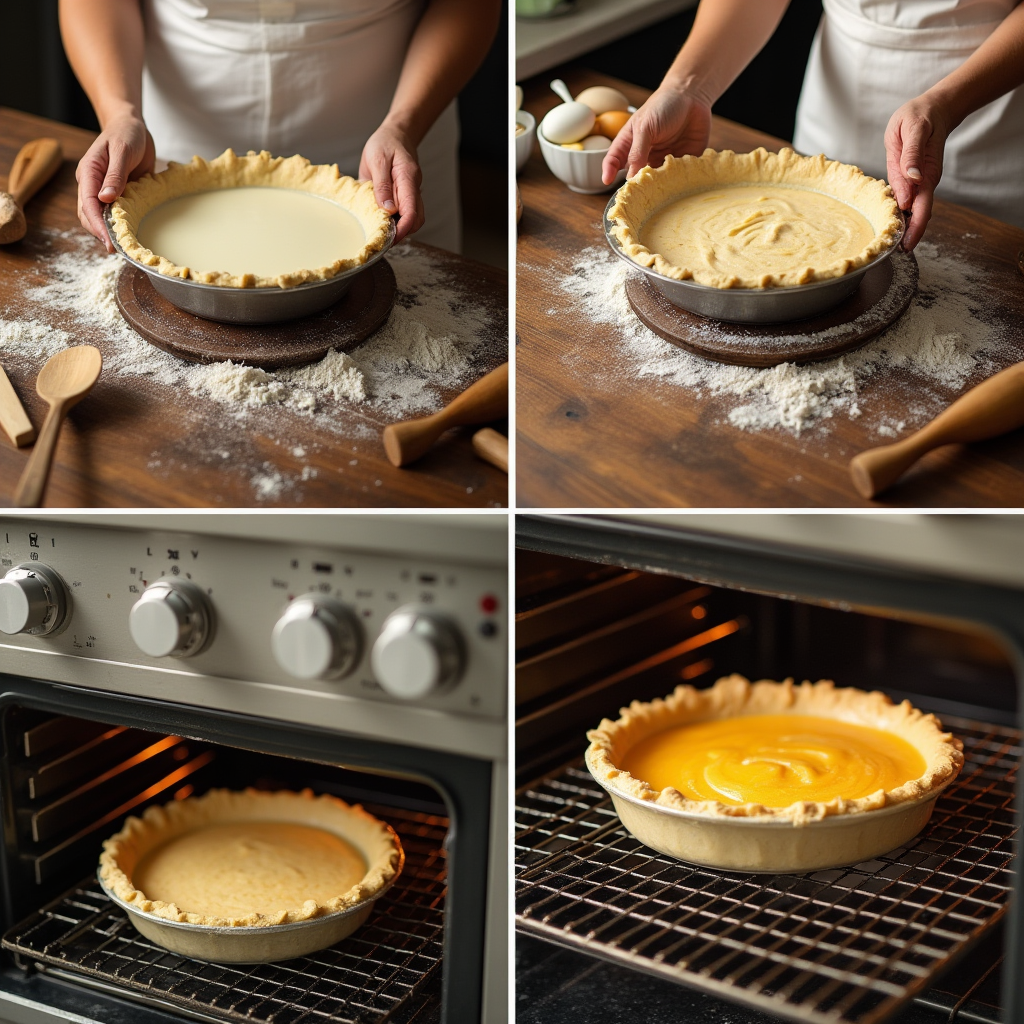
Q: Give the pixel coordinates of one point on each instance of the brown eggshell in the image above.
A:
(610, 123)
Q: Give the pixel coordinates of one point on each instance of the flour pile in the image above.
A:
(942, 342)
(430, 341)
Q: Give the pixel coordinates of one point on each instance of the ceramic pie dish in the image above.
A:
(759, 253)
(869, 772)
(250, 877)
(251, 239)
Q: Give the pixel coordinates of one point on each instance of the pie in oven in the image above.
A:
(754, 220)
(253, 221)
(773, 776)
(250, 859)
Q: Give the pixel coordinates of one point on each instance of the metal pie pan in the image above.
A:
(251, 945)
(757, 845)
(754, 305)
(250, 306)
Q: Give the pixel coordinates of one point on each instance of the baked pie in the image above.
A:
(754, 220)
(773, 776)
(253, 221)
(250, 859)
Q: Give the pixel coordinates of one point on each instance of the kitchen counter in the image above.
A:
(595, 429)
(135, 441)
(543, 43)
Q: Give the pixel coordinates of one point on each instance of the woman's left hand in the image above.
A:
(389, 160)
(914, 142)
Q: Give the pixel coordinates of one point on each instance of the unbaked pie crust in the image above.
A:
(753, 220)
(748, 836)
(255, 170)
(220, 844)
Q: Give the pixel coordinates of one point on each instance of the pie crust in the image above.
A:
(734, 696)
(373, 839)
(651, 190)
(255, 169)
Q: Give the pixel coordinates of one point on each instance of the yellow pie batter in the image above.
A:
(756, 231)
(774, 760)
(252, 230)
(241, 868)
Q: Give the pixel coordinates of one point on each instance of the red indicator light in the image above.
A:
(488, 604)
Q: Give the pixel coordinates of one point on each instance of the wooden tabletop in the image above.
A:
(644, 443)
(136, 442)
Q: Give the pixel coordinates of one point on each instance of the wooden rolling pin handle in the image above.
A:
(33, 480)
(35, 164)
(994, 407)
(492, 447)
(485, 400)
(13, 417)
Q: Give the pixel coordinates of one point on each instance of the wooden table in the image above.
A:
(133, 442)
(649, 444)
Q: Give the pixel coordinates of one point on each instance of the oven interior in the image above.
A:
(69, 782)
(864, 944)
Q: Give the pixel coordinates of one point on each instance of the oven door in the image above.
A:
(75, 762)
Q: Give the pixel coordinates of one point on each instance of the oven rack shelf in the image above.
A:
(849, 945)
(374, 976)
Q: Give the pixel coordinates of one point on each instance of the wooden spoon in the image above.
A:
(64, 380)
(35, 164)
(481, 402)
(994, 407)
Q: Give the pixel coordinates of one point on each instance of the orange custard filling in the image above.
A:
(774, 760)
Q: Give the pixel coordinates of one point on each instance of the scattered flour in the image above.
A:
(942, 342)
(432, 339)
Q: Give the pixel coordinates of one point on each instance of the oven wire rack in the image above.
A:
(848, 945)
(371, 977)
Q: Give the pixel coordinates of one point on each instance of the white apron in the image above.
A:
(871, 56)
(314, 77)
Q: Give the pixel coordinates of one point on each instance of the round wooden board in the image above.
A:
(352, 319)
(883, 297)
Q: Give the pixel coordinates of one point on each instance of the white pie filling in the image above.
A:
(252, 230)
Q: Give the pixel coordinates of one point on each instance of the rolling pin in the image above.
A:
(35, 164)
(993, 407)
(13, 417)
(492, 447)
(481, 402)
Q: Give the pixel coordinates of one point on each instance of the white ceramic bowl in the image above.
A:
(580, 169)
(524, 142)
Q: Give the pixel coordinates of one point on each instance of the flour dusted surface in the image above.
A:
(943, 341)
(435, 338)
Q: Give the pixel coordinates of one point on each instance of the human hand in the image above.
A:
(122, 152)
(914, 142)
(671, 121)
(389, 160)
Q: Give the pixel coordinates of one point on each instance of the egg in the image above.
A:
(572, 145)
(610, 122)
(568, 122)
(594, 142)
(601, 98)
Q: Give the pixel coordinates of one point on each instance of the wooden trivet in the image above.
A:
(352, 319)
(883, 297)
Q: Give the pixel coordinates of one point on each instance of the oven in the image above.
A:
(148, 658)
(615, 608)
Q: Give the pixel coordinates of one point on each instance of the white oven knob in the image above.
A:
(33, 600)
(317, 638)
(417, 653)
(173, 618)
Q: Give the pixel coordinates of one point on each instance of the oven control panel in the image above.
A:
(393, 629)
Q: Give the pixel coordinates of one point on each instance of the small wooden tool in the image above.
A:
(64, 380)
(994, 407)
(492, 446)
(35, 164)
(13, 417)
(481, 402)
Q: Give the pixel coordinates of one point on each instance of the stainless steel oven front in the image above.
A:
(615, 608)
(146, 658)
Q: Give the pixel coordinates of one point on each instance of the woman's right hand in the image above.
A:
(671, 121)
(122, 152)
